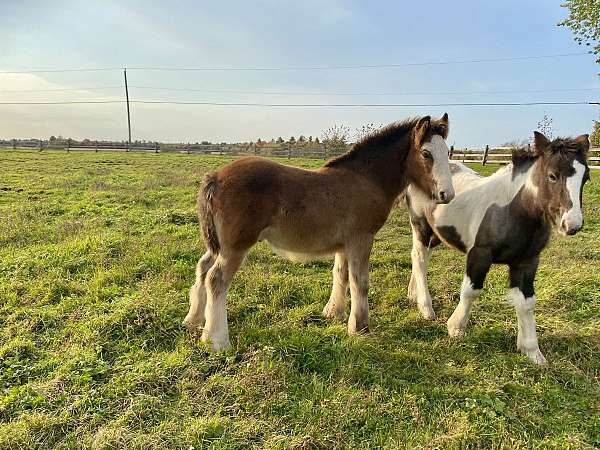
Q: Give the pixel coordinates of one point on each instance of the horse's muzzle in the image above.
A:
(443, 196)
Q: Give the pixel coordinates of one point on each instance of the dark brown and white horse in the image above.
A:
(505, 218)
(306, 214)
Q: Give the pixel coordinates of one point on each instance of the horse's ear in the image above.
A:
(542, 144)
(444, 125)
(583, 142)
(421, 129)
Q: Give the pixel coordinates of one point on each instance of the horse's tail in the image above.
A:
(206, 214)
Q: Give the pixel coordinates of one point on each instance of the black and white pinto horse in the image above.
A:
(505, 218)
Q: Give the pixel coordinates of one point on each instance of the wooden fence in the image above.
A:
(483, 156)
(282, 151)
(502, 155)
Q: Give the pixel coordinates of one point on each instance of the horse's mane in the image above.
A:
(562, 144)
(522, 156)
(381, 138)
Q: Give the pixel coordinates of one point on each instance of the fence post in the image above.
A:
(451, 152)
(156, 147)
(126, 146)
(41, 145)
(187, 149)
(464, 154)
(485, 155)
(325, 151)
(289, 151)
(68, 145)
(96, 147)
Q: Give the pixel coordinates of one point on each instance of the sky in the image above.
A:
(64, 34)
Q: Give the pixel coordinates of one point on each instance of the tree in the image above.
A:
(301, 139)
(280, 140)
(336, 136)
(584, 22)
(365, 130)
(517, 143)
(292, 140)
(544, 126)
(595, 136)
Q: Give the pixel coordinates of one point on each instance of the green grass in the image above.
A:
(97, 252)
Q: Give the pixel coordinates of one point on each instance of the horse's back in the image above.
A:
(463, 177)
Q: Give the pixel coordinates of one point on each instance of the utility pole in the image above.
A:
(128, 116)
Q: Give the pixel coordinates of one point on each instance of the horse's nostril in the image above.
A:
(442, 195)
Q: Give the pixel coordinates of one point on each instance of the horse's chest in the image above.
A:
(511, 237)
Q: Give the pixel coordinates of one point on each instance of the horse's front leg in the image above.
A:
(335, 307)
(522, 297)
(417, 287)
(358, 267)
(478, 265)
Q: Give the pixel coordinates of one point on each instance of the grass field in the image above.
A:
(97, 252)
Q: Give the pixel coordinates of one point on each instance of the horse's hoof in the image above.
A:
(331, 313)
(357, 328)
(456, 332)
(217, 343)
(536, 357)
(191, 324)
(427, 312)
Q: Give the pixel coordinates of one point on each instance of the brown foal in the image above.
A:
(307, 214)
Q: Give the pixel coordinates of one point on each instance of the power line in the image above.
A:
(94, 88)
(69, 102)
(304, 105)
(323, 93)
(301, 68)
(364, 66)
(234, 91)
(78, 69)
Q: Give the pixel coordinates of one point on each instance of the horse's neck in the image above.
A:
(386, 168)
(518, 185)
(502, 186)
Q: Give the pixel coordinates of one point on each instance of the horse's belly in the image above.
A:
(300, 246)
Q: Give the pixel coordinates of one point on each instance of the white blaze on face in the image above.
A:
(441, 169)
(572, 220)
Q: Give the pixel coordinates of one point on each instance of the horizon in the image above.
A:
(428, 67)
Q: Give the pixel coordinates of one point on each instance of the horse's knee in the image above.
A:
(203, 266)
(214, 280)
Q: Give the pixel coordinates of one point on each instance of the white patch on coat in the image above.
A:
(440, 170)
(573, 218)
(474, 195)
(527, 341)
(457, 323)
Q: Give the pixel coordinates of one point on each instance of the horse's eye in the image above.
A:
(552, 177)
(426, 154)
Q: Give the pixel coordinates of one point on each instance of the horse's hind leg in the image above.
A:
(358, 267)
(195, 316)
(335, 307)
(420, 255)
(218, 279)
